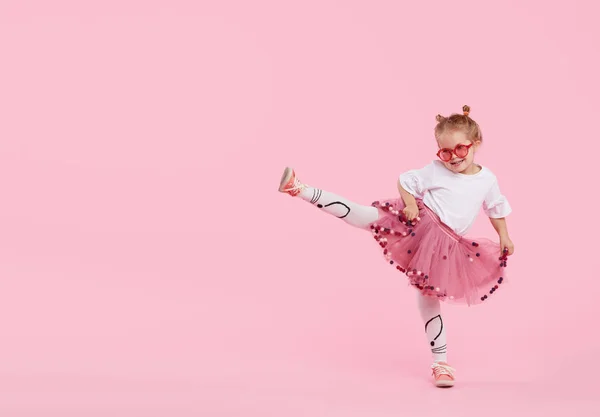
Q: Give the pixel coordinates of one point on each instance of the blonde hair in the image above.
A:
(460, 122)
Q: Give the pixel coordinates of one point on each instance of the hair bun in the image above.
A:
(466, 110)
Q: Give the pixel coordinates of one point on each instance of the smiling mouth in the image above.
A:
(457, 163)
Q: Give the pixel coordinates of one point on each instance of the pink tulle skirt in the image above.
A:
(437, 261)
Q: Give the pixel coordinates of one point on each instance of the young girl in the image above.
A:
(422, 233)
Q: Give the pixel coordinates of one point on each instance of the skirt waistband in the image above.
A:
(451, 233)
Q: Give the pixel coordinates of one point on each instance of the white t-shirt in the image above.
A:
(456, 198)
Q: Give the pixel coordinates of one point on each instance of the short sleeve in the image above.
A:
(418, 181)
(496, 205)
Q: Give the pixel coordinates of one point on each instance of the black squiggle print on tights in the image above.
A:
(340, 203)
(439, 350)
(317, 196)
(440, 332)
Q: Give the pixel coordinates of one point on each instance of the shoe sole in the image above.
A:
(444, 384)
(285, 178)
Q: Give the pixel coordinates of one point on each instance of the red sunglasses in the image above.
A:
(445, 154)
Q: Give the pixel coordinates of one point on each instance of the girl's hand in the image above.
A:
(411, 211)
(506, 246)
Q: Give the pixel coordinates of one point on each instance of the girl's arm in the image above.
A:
(497, 208)
(502, 230)
(411, 211)
(408, 198)
(416, 183)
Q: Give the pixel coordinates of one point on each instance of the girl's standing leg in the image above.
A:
(431, 313)
(354, 214)
(435, 329)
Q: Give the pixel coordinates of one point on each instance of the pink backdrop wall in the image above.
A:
(149, 267)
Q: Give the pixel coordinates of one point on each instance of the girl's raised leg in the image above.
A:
(352, 213)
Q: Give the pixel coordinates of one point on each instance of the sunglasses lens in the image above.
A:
(462, 151)
(445, 155)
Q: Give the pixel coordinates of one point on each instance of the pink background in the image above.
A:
(149, 267)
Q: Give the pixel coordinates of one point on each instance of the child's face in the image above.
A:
(450, 140)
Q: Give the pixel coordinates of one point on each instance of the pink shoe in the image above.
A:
(443, 374)
(290, 184)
